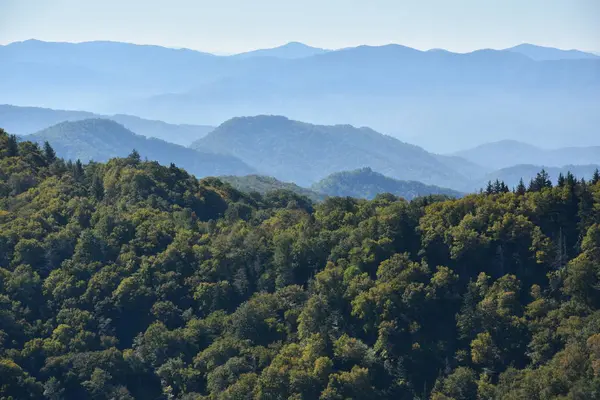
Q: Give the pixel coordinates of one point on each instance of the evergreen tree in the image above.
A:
(561, 180)
(541, 181)
(49, 153)
(12, 148)
(570, 180)
(134, 157)
(521, 189)
(596, 177)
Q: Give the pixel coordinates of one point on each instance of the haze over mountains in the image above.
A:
(441, 100)
(507, 153)
(366, 184)
(541, 53)
(290, 50)
(103, 139)
(305, 153)
(313, 160)
(27, 120)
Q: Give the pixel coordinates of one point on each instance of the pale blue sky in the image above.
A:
(228, 26)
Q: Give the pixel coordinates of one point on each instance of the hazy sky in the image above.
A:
(228, 26)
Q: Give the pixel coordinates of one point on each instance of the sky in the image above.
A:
(231, 26)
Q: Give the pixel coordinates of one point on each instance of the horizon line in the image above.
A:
(227, 54)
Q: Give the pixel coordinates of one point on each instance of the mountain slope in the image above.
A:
(265, 184)
(101, 139)
(304, 153)
(541, 53)
(366, 183)
(26, 120)
(507, 153)
(290, 50)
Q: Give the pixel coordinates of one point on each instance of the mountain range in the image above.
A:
(507, 153)
(365, 183)
(102, 139)
(541, 53)
(291, 50)
(305, 153)
(275, 149)
(440, 100)
(27, 120)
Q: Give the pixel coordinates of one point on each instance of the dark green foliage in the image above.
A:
(130, 280)
(264, 184)
(12, 147)
(49, 153)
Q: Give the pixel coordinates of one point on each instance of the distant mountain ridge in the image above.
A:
(362, 183)
(366, 183)
(441, 100)
(291, 50)
(511, 175)
(102, 139)
(541, 53)
(506, 153)
(27, 120)
(306, 153)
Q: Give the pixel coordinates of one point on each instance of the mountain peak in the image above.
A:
(290, 50)
(543, 53)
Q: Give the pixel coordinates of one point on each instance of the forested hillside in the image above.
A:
(302, 153)
(131, 280)
(365, 183)
(102, 139)
(265, 184)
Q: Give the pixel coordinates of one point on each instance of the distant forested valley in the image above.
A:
(127, 279)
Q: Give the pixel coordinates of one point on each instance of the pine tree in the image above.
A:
(134, 157)
(561, 180)
(571, 180)
(12, 146)
(49, 153)
(596, 177)
(521, 189)
(541, 181)
(489, 188)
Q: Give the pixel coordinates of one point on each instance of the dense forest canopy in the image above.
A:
(131, 280)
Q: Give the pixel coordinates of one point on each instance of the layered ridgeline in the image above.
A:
(291, 50)
(362, 183)
(365, 183)
(508, 153)
(305, 153)
(438, 99)
(130, 280)
(541, 53)
(27, 120)
(102, 139)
